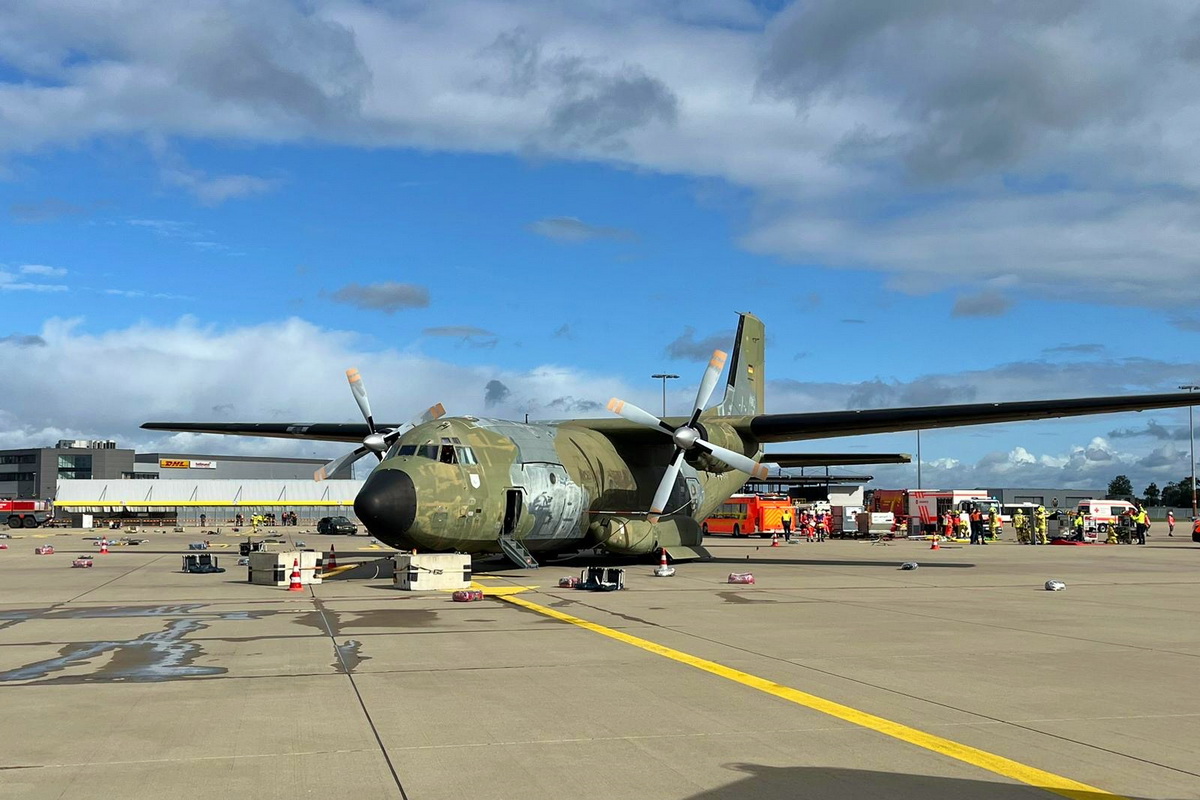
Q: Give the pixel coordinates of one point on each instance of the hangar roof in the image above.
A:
(147, 495)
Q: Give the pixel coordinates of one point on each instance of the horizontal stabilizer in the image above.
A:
(833, 459)
(680, 552)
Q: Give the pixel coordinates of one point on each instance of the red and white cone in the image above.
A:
(935, 545)
(104, 547)
(774, 540)
(662, 562)
(295, 584)
(332, 562)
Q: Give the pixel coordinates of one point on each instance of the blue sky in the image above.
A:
(214, 211)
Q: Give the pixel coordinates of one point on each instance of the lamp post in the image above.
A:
(1192, 436)
(918, 458)
(664, 376)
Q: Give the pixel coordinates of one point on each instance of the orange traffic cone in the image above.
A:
(662, 562)
(935, 545)
(774, 540)
(104, 547)
(332, 562)
(295, 584)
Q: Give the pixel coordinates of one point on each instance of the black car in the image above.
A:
(331, 525)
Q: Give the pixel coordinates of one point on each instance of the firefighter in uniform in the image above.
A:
(1042, 527)
(994, 524)
(963, 525)
(1022, 527)
(1112, 533)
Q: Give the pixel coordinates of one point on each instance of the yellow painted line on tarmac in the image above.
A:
(928, 741)
(501, 591)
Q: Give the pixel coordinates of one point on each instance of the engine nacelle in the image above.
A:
(637, 536)
(720, 434)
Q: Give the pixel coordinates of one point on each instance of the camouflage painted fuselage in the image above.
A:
(566, 482)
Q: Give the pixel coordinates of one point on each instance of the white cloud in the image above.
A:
(945, 143)
(42, 269)
(188, 371)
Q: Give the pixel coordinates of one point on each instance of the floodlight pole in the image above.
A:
(664, 376)
(918, 458)
(1192, 436)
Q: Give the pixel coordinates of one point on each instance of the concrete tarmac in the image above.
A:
(835, 675)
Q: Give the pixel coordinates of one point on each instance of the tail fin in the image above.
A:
(744, 393)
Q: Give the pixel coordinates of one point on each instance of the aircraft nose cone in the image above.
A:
(387, 503)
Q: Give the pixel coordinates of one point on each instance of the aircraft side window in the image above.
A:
(428, 451)
(448, 456)
(408, 450)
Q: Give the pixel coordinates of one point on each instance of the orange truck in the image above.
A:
(748, 514)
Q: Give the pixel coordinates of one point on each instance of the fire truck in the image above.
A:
(26, 513)
(746, 514)
(923, 508)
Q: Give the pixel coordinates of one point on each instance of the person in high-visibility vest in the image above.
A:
(948, 525)
(1021, 524)
(1041, 525)
(1141, 522)
(994, 524)
(785, 519)
(1170, 522)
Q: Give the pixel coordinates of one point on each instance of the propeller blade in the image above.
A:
(735, 460)
(663, 494)
(430, 414)
(708, 383)
(634, 414)
(333, 466)
(360, 396)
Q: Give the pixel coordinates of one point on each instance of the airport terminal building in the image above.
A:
(104, 482)
(36, 473)
(212, 503)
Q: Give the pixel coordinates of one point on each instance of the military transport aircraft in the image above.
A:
(629, 486)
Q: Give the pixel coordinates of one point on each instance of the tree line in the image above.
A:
(1173, 495)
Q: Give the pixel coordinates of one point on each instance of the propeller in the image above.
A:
(687, 437)
(375, 441)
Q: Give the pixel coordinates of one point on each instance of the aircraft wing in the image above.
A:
(826, 424)
(833, 459)
(321, 431)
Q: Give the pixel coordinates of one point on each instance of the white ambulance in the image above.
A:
(1098, 515)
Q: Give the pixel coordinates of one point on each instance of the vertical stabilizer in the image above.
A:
(744, 392)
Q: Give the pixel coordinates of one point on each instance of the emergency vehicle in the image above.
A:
(26, 513)
(746, 514)
(924, 508)
(1098, 515)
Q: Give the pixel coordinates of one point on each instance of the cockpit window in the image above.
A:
(407, 450)
(448, 455)
(466, 455)
(428, 451)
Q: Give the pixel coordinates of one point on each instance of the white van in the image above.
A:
(1098, 515)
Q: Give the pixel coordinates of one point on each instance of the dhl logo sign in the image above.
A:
(174, 463)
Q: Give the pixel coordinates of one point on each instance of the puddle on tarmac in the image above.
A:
(111, 612)
(349, 656)
(160, 656)
(371, 618)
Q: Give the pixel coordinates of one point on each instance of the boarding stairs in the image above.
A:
(516, 552)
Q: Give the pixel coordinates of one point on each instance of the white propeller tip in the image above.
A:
(616, 406)
(760, 471)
